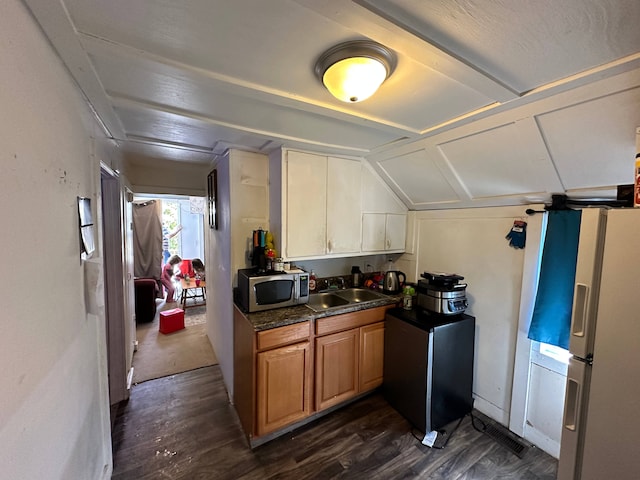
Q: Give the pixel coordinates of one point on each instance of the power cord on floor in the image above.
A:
(444, 432)
(473, 422)
(440, 432)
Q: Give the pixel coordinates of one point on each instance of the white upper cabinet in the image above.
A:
(305, 208)
(373, 232)
(318, 206)
(383, 232)
(395, 231)
(384, 217)
(343, 205)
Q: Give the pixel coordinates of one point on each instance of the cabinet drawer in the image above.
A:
(283, 335)
(348, 321)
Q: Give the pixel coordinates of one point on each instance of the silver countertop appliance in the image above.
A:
(442, 293)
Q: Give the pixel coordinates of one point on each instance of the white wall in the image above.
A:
(54, 420)
(219, 292)
(471, 242)
(332, 267)
(243, 206)
(249, 174)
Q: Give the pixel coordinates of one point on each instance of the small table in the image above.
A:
(191, 290)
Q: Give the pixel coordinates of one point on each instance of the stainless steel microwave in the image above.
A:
(265, 291)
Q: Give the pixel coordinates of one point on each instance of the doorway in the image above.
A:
(537, 399)
(158, 354)
(187, 213)
(116, 323)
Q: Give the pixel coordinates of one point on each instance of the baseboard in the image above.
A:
(491, 410)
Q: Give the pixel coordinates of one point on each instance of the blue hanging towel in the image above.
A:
(551, 319)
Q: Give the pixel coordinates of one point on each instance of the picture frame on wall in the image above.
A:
(212, 196)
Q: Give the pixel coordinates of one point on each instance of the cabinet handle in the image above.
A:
(388, 243)
(329, 247)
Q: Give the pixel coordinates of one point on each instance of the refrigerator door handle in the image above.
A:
(573, 404)
(580, 317)
(572, 422)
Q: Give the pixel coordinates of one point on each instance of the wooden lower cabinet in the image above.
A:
(287, 374)
(348, 363)
(336, 368)
(371, 356)
(283, 386)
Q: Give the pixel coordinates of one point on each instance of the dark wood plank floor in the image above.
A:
(183, 427)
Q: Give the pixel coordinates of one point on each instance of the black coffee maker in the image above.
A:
(258, 258)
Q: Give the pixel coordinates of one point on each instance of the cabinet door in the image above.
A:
(283, 387)
(336, 368)
(343, 205)
(373, 232)
(371, 356)
(306, 205)
(395, 231)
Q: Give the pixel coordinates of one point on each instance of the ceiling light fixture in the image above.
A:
(353, 71)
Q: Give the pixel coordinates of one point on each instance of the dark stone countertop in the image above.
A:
(279, 317)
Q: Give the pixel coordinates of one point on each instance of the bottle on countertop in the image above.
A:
(278, 264)
(356, 276)
(407, 297)
(271, 257)
(312, 281)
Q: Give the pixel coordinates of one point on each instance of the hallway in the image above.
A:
(183, 427)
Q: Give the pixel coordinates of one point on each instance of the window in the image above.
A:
(550, 357)
(557, 353)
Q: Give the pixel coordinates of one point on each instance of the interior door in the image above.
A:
(114, 275)
(539, 376)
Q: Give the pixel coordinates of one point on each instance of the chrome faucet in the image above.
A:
(336, 283)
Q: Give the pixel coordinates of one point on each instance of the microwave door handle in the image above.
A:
(296, 295)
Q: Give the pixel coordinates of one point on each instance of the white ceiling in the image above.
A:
(183, 80)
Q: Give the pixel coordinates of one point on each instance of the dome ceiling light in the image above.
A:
(353, 71)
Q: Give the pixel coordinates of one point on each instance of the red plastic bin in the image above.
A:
(171, 320)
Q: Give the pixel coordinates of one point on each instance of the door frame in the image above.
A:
(526, 354)
(522, 365)
(113, 284)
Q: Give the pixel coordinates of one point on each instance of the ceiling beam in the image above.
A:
(58, 27)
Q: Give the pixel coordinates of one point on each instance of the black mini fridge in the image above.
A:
(428, 366)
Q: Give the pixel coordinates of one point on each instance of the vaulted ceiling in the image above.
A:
(488, 104)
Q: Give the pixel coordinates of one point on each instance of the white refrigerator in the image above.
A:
(601, 424)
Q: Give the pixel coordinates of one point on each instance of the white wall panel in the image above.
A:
(377, 197)
(419, 178)
(471, 243)
(497, 162)
(54, 420)
(592, 143)
(243, 206)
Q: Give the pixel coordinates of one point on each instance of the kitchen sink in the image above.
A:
(322, 301)
(358, 295)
